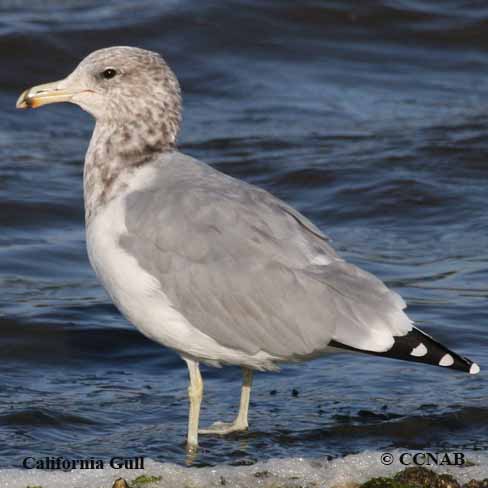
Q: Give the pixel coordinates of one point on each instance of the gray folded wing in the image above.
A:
(251, 272)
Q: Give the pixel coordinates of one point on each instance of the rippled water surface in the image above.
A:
(369, 117)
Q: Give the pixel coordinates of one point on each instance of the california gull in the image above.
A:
(219, 270)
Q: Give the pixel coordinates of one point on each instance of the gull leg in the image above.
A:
(240, 423)
(195, 393)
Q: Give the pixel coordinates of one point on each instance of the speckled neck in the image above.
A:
(114, 154)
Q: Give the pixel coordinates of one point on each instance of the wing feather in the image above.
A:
(238, 264)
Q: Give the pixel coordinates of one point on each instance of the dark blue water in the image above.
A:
(369, 117)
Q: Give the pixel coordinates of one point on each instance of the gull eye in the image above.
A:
(109, 73)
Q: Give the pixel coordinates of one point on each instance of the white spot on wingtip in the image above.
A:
(475, 369)
(419, 351)
(446, 360)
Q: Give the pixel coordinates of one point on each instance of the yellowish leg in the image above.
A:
(240, 423)
(195, 393)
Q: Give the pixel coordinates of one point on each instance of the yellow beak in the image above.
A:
(43, 94)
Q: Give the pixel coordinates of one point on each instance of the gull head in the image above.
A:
(119, 86)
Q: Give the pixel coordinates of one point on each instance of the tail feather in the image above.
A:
(421, 348)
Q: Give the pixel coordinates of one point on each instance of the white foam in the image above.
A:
(294, 472)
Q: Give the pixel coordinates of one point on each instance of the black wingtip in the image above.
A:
(419, 347)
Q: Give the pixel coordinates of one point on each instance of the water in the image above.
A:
(370, 118)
